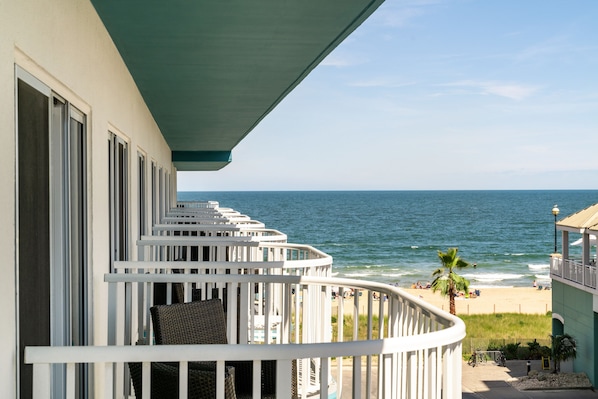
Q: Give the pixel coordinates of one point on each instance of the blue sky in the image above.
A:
(456, 94)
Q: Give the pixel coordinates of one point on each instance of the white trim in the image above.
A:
(27, 67)
(558, 317)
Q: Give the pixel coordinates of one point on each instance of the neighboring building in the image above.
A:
(574, 294)
(102, 103)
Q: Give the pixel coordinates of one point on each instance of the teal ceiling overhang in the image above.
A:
(211, 70)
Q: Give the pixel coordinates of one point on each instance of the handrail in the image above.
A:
(209, 240)
(419, 355)
(215, 227)
(210, 265)
(411, 301)
(572, 271)
(231, 221)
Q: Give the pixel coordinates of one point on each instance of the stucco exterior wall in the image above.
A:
(64, 44)
(576, 308)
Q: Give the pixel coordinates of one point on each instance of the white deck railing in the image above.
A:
(412, 351)
(216, 230)
(197, 204)
(207, 214)
(241, 221)
(573, 271)
(279, 306)
(234, 249)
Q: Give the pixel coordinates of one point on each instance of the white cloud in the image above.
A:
(381, 82)
(509, 90)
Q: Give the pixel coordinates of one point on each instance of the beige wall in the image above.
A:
(64, 44)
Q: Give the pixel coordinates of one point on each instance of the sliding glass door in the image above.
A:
(54, 277)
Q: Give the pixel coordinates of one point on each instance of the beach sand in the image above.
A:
(491, 300)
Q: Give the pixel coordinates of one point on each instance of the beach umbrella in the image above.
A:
(592, 240)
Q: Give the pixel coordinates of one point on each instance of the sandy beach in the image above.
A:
(491, 300)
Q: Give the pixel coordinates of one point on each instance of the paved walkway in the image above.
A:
(489, 381)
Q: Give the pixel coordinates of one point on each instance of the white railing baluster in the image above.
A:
(41, 381)
(324, 372)
(183, 380)
(432, 336)
(257, 379)
(220, 379)
(146, 380)
(70, 381)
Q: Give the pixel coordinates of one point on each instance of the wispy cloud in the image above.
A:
(340, 60)
(512, 91)
(381, 82)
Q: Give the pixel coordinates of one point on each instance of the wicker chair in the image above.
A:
(165, 381)
(165, 376)
(203, 322)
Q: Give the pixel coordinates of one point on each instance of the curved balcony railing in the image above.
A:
(268, 248)
(216, 230)
(240, 220)
(281, 304)
(198, 204)
(400, 348)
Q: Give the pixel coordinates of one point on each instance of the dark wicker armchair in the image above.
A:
(165, 381)
(203, 322)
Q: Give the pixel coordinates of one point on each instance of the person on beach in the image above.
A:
(534, 284)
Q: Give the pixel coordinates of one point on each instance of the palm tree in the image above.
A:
(446, 280)
(564, 348)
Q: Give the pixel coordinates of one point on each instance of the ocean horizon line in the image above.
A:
(395, 190)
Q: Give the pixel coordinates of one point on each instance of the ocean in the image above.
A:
(394, 236)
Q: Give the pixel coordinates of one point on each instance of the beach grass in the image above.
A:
(483, 331)
(508, 325)
(362, 328)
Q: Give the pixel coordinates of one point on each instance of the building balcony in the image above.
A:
(328, 337)
(574, 272)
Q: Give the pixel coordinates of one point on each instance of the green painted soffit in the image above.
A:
(210, 71)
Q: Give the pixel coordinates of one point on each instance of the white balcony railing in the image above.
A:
(262, 251)
(198, 204)
(408, 349)
(573, 271)
(279, 305)
(216, 230)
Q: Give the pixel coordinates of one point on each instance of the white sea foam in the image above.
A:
(538, 266)
(394, 275)
(492, 277)
(414, 247)
(357, 274)
(480, 286)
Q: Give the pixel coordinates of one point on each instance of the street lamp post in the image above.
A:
(555, 212)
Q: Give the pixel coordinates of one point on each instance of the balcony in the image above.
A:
(279, 306)
(574, 272)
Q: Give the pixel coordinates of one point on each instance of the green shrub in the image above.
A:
(523, 353)
(495, 346)
(510, 350)
(535, 352)
(545, 351)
